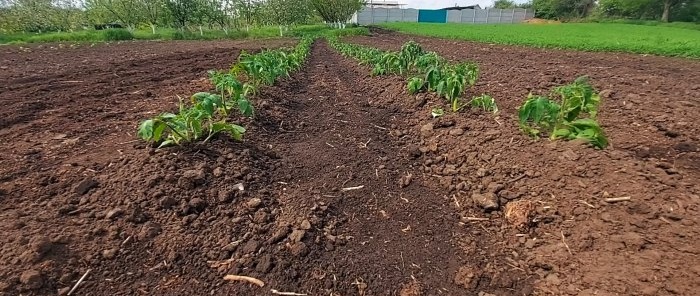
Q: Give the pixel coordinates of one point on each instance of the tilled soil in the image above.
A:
(344, 184)
(579, 245)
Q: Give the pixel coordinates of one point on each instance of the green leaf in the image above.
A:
(166, 116)
(561, 133)
(245, 107)
(415, 85)
(158, 131)
(166, 143)
(437, 112)
(235, 131)
(146, 130)
(485, 102)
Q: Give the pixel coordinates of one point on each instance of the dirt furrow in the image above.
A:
(382, 231)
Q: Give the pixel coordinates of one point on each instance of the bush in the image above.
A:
(117, 34)
(181, 35)
(208, 35)
(357, 31)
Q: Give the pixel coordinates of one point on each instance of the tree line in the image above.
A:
(69, 15)
(663, 10)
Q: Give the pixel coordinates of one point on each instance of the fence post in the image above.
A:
(512, 16)
(500, 16)
(487, 15)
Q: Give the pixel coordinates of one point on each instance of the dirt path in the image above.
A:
(335, 138)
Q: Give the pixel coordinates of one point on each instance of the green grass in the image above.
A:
(657, 40)
(161, 34)
(681, 25)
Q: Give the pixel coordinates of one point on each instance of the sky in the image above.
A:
(432, 4)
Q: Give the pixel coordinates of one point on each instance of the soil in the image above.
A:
(640, 247)
(344, 184)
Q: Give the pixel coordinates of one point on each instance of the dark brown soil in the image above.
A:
(349, 186)
(642, 247)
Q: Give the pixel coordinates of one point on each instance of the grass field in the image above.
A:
(657, 40)
(161, 34)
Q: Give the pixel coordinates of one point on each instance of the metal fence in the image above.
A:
(369, 16)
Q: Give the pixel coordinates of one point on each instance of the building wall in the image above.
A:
(369, 16)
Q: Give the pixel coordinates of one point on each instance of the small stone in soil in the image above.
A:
(265, 264)
(297, 235)
(167, 202)
(405, 180)
(225, 196)
(114, 213)
(553, 279)
(306, 225)
(110, 253)
(494, 187)
(464, 277)
(40, 244)
(192, 178)
(570, 155)
(67, 209)
(250, 247)
(487, 201)
(231, 246)
(85, 185)
(137, 215)
(197, 204)
(530, 243)
(456, 132)
(149, 230)
(427, 129)
(253, 202)
(189, 219)
(299, 249)
(32, 279)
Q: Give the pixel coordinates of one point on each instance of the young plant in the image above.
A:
(415, 85)
(485, 102)
(188, 125)
(537, 114)
(449, 81)
(233, 92)
(565, 120)
(437, 112)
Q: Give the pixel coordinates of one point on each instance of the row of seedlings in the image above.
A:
(570, 112)
(206, 114)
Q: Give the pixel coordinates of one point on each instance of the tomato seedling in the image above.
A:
(485, 102)
(574, 117)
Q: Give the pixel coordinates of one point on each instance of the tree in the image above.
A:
(337, 11)
(248, 11)
(128, 12)
(504, 4)
(153, 12)
(562, 9)
(287, 12)
(665, 10)
(181, 11)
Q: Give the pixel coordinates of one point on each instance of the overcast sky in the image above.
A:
(445, 3)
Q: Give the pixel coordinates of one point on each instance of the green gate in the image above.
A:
(432, 16)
